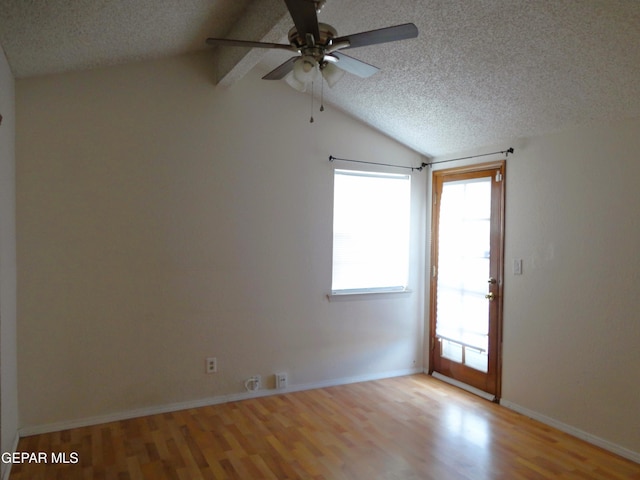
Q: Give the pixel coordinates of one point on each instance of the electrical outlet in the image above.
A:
(253, 384)
(281, 380)
(211, 365)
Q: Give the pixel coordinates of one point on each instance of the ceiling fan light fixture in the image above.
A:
(294, 83)
(331, 74)
(306, 69)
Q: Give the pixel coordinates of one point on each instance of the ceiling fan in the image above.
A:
(319, 48)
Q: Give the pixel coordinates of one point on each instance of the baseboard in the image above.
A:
(576, 432)
(6, 467)
(173, 407)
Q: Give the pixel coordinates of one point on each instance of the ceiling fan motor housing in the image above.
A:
(316, 47)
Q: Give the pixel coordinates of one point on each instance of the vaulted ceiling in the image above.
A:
(480, 71)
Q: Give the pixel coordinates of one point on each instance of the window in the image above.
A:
(371, 213)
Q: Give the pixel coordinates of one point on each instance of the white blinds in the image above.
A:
(371, 214)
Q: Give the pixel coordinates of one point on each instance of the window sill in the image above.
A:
(345, 295)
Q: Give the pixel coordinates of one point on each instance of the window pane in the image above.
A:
(451, 350)
(370, 230)
(476, 359)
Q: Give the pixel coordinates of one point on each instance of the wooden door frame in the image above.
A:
(497, 209)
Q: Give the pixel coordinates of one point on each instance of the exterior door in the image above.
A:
(467, 233)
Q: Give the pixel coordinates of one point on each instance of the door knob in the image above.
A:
(490, 296)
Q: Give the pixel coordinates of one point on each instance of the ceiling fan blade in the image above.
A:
(303, 13)
(226, 42)
(381, 35)
(281, 71)
(353, 65)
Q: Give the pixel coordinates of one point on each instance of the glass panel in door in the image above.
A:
(462, 325)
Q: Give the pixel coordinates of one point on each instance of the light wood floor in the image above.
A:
(413, 427)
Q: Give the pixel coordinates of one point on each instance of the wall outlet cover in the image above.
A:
(281, 380)
(211, 365)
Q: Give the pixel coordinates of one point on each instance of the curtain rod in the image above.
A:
(332, 158)
(419, 169)
(506, 152)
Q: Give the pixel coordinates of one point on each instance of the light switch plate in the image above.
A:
(517, 266)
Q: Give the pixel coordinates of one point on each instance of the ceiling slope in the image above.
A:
(479, 73)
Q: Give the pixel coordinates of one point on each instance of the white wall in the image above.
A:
(162, 220)
(8, 364)
(571, 322)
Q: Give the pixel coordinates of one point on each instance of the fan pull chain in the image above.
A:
(321, 95)
(311, 119)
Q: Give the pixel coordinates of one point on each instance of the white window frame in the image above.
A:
(396, 213)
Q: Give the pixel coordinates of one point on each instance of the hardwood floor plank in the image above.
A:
(406, 428)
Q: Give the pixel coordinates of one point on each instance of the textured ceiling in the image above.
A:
(50, 36)
(480, 72)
